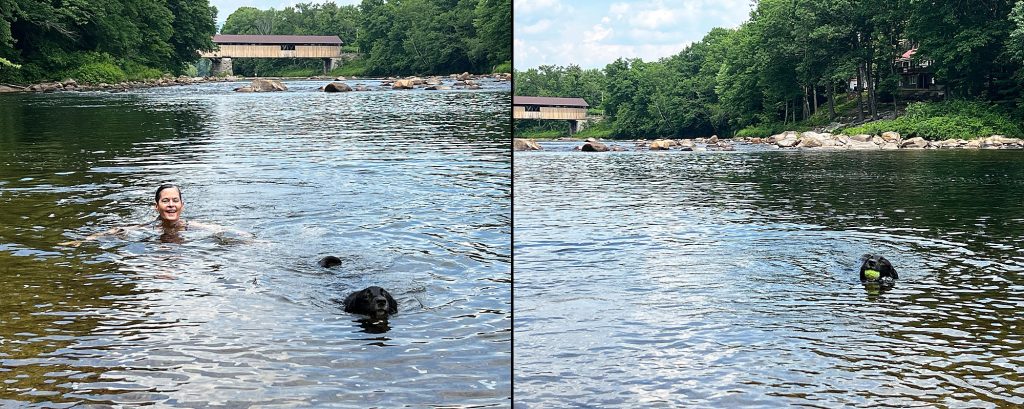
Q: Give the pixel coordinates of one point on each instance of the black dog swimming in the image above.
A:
(887, 274)
(373, 301)
(329, 261)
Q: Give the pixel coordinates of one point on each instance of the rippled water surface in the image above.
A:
(729, 279)
(410, 189)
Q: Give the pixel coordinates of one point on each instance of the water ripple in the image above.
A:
(410, 189)
(714, 279)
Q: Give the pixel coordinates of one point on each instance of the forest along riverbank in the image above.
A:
(460, 80)
(789, 140)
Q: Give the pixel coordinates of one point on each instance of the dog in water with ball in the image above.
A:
(878, 270)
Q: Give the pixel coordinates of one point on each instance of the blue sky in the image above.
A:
(592, 33)
(226, 7)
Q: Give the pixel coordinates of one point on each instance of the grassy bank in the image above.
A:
(956, 119)
(845, 107)
(947, 120)
(598, 130)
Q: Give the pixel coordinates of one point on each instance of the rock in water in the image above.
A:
(594, 147)
(520, 144)
(337, 87)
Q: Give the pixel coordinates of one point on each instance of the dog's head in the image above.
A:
(877, 263)
(373, 301)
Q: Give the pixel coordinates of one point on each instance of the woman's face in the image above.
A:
(169, 206)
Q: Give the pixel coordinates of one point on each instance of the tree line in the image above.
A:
(394, 37)
(114, 40)
(793, 61)
(101, 39)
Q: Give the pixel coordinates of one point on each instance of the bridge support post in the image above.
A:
(220, 66)
(329, 64)
(573, 127)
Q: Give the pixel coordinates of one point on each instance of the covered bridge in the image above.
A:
(231, 46)
(573, 110)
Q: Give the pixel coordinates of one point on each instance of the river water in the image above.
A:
(411, 189)
(730, 279)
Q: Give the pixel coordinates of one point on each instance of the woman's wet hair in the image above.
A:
(168, 186)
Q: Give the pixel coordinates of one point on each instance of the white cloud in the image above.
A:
(530, 6)
(537, 28)
(592, 33)
(597, 33)
(619, 9)
(654, 18)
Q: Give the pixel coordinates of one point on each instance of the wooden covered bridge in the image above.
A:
(573, 110)
(327, 48)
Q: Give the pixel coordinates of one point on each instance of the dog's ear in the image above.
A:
(887, 267)
(392, 304)
(350, 302)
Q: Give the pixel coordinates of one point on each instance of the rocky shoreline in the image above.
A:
(464, 80)
(73, 85)
(794, 140)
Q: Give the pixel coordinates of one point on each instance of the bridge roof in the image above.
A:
(550, 101)
(274, 39)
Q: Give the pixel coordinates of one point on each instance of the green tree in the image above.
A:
(965, 41)
(493, 24)
(193, 26)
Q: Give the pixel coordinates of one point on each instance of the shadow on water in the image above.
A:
(410, 190)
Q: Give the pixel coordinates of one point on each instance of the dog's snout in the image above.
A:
(381, 302)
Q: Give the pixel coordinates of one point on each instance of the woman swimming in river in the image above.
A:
(169, 206)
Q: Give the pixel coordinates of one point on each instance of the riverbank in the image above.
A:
(787, 140)
(934, 121)
(73, 85)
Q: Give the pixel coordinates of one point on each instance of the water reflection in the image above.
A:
(724, 279)
(410, 190)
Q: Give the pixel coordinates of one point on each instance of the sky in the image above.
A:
(593, 33)
(226, 7)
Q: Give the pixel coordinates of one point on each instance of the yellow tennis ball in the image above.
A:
(872, 274)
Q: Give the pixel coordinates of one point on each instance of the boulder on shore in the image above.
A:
(789, 140)
(891, 136)
(11, 88)
(811, 140)
(861, 146)
(914, 143)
